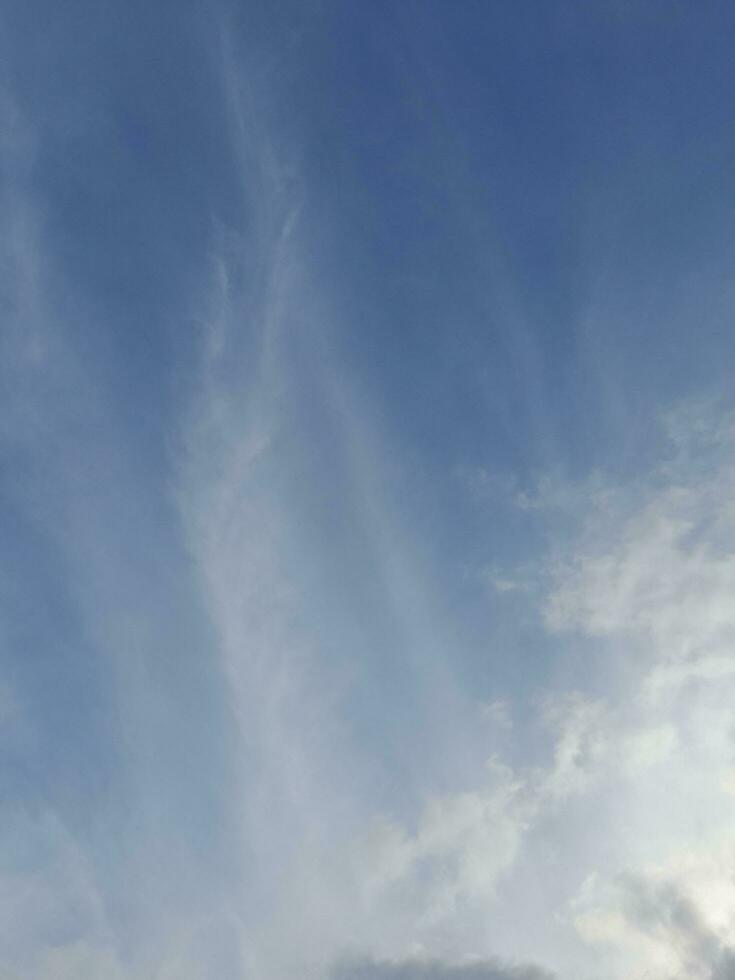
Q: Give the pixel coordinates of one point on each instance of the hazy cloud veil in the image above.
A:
(367, 540)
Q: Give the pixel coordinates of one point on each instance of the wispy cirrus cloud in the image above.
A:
(257, 721)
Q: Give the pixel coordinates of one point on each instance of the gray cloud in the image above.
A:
(724, 968)
(662, 909)
(425, 969)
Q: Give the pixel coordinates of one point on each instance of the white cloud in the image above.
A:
(462, 845)
(635, 796)
(499, 712)
(655, 585)
(633, 806)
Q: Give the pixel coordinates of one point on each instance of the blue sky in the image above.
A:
(367, 546)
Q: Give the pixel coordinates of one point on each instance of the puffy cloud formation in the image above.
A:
(628, 814)
(649, 585)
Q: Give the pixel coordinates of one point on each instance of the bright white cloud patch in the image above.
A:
(656, 584)
(636, 798)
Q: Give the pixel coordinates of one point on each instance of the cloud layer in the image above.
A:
(367, 549)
